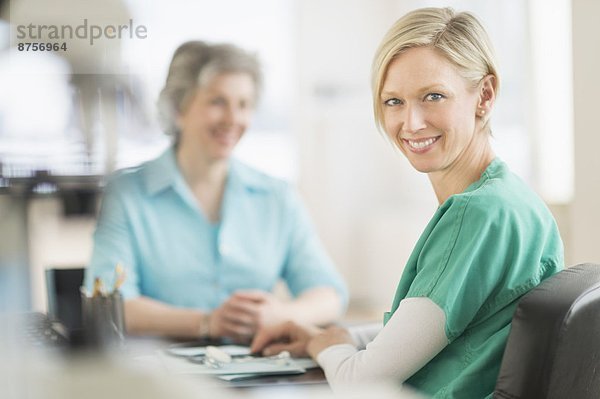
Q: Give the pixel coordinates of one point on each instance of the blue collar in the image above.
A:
(163, 172)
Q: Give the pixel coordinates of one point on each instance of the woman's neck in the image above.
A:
(466, 170)
(198, 171)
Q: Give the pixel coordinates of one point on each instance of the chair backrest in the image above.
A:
(64, 298)
(553, 349)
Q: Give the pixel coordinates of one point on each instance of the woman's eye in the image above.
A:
(218, 101)
(392, 101)
(434, 97)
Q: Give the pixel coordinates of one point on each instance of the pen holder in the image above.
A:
(103, 321)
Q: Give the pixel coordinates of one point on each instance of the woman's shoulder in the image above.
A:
(148, 177)
(125, 177)
(127, 182)
(257, 180)
(502, 194)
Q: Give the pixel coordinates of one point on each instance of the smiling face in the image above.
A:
(216, 117)
(431, 112)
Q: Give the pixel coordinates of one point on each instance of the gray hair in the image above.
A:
(193, 65)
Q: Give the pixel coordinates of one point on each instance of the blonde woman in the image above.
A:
(490, 241)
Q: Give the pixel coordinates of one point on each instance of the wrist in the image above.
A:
(314, 347)
(294, 311)
(204, 329)
(327, 338)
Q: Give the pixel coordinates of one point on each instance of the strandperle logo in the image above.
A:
(85, 30)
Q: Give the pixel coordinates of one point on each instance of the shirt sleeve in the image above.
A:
(113, 243)
(307, 264)
(478, 257)
(364, 333)
(411, 338)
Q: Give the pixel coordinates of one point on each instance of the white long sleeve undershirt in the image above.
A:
(410, 339)
(364, 333)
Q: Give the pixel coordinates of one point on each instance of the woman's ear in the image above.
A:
(179, 121)
(487, 95)
(182, 109)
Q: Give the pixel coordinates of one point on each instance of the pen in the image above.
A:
(98, 287)
(119, 277)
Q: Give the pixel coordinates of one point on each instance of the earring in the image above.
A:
(482, 112)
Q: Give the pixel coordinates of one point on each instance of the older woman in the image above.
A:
(490, 241)
(203, 237)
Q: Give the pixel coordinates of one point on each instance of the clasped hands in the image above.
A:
(240, 316)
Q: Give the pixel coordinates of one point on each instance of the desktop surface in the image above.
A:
(314, 376)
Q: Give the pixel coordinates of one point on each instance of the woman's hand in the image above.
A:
(233, 319)
(287, 336)
(330, 336)
(267, 309)
(244, 312)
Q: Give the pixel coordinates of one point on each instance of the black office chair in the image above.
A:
(553, 350)
(64, 298)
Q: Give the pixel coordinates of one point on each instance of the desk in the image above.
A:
(145, 349)
(311, 384)
(117, 376)
(311, 377)
(135, 371)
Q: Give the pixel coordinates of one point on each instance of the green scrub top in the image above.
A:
(482, 250)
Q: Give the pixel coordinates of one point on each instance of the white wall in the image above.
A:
(585, 209)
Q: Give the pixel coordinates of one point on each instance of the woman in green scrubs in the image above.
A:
(491, 240)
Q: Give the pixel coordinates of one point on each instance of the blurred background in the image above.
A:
(69, 118)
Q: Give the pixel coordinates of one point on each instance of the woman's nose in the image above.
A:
(236, 115)
(413, 120)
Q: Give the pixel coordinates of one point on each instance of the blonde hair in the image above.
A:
(193, 65)
(459, 37)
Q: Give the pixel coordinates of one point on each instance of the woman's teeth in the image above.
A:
(422, 143)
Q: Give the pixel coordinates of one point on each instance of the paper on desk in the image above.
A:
(249, 376)
(262, 366)
(305, 363)
(233, 350)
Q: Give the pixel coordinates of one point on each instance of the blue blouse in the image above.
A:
(151, 223)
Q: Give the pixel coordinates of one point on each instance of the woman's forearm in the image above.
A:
(412, 337)
(148, 316)
(144, 315)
